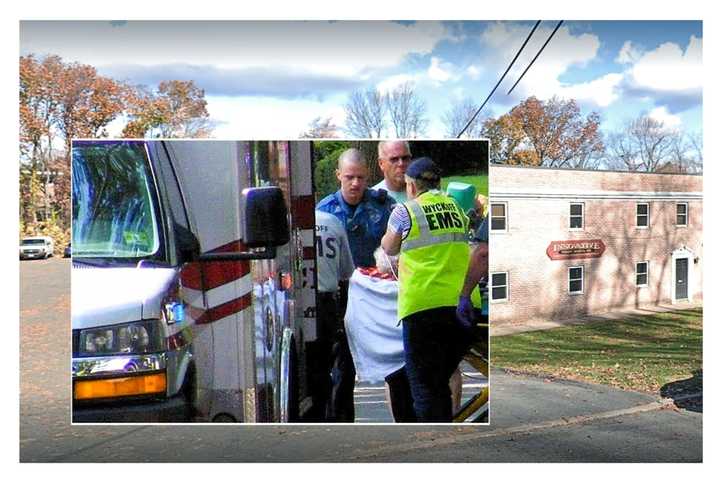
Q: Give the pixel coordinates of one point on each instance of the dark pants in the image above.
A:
(332, 375)
(434, 345)
(401, 401)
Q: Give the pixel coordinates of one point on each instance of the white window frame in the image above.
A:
(687, 214)
(647, 274)
(490, 214)
(582, 280)
(506, 285)
(637, 216)
(582, 216)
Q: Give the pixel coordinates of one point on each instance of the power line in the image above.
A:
(501, 79)
(536, 56)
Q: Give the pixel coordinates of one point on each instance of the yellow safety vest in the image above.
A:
(434, 256)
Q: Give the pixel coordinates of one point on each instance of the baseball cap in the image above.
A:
(423, 168)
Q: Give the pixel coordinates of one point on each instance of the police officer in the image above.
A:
(364, 213)
(334, 269)
(429, 232)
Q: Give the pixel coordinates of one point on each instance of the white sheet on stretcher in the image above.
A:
(374, 337)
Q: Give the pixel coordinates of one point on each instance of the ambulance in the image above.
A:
(193, 274)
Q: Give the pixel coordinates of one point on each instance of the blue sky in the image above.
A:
(270, 79)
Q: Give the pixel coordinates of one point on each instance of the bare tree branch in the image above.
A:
(458, 115)
(364, 114)
(407, 111)
(320, 128)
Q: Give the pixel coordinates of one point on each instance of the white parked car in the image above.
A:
(40, 247)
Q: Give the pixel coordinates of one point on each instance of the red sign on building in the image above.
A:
(575, 249)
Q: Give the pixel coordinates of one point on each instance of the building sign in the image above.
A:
(575, 249)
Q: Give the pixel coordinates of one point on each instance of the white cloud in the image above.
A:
(629, 53)
(439, 71)
(669, 69)
(458, 93)
(268, 118)
(348, 48)
(394, 81)
(661, 114)
(601, 92)
(564, 51)
(665, 76)
(473, 71)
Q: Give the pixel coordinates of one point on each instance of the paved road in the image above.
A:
(531, 419)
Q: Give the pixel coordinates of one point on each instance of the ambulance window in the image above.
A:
(171, 198)
(114, 208)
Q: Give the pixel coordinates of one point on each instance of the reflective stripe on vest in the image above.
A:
(426, 238)
(433, 258)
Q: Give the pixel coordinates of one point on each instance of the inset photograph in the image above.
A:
(279, 281)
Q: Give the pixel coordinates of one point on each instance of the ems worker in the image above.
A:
(364, 213)
(477, 270)
(429, 232)
(334, 268)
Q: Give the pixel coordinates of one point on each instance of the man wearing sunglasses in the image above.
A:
(393, 158)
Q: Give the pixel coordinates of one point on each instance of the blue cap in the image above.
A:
(423, 168)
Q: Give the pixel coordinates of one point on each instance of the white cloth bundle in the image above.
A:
(371, 323)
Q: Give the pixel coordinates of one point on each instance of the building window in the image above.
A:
(642, 215)
(498, 286)
(576, 216)
(641, 274)
(498, 217)
(575, 280)
(681, 214)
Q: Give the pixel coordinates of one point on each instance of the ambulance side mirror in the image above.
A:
(265, 215)
(264, 225)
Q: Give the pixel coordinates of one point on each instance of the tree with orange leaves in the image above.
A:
(58, 102)
(177, 109)
(550, 133)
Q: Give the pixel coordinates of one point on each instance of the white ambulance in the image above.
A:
(192, 294)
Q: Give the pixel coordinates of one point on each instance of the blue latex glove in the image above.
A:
(464, 312)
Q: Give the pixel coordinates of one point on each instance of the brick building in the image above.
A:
(566, 243)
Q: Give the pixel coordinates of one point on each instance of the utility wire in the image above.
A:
(536, 56)
(501, 79)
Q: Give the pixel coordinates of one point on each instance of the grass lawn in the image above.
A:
(641, 353)
(479, 181)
